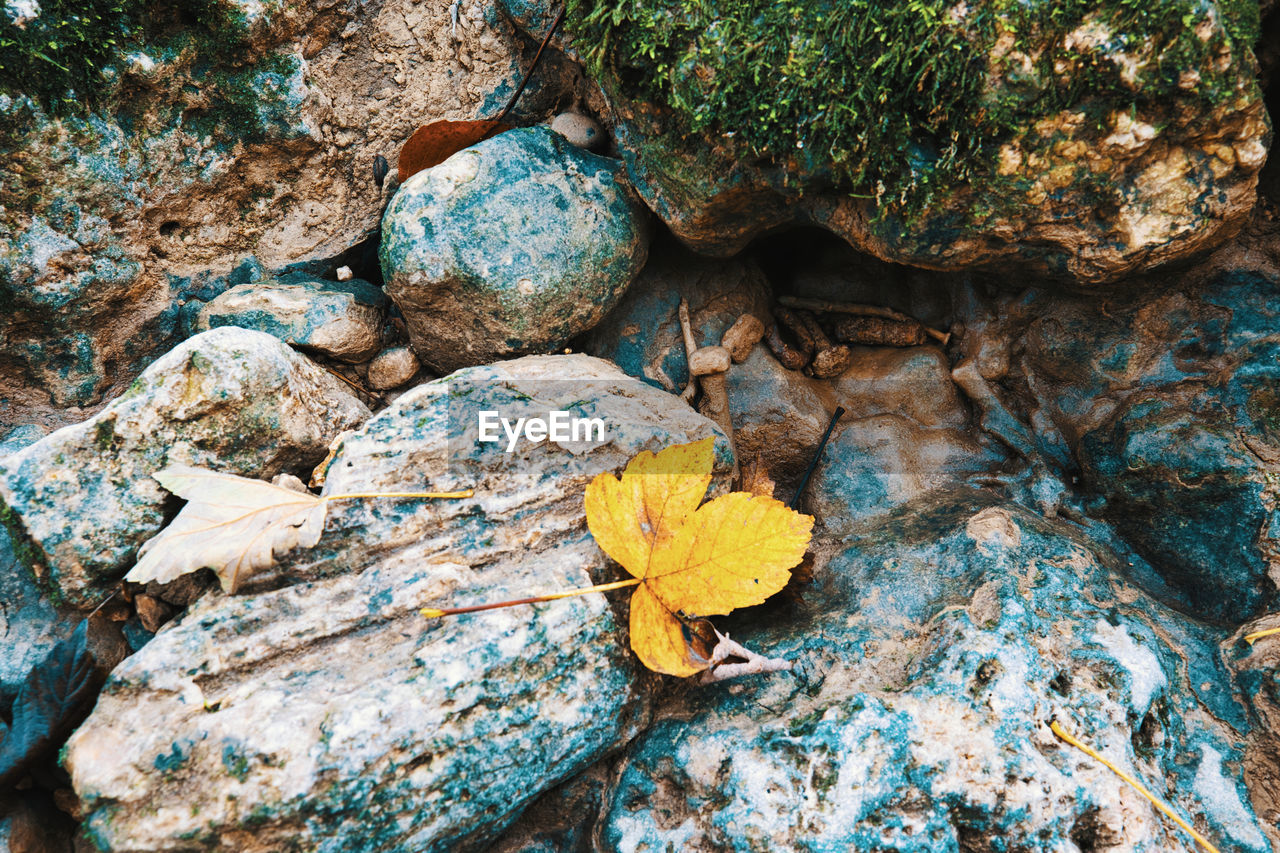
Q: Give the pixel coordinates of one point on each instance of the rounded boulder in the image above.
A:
(510, 247)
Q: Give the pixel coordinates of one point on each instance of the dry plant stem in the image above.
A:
(686, 328)
(752, 663)
(537, 57)
(437, 612)
(860, 310)
(788, 357)
(1138, 786)
(465, 493)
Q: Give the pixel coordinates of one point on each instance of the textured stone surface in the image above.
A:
(1078, 155)
(1161, 403)
(340, 319)
(642, 334)
(80, 501)
(512, 246)
(388, 731)
(241, 128)
(930, 655)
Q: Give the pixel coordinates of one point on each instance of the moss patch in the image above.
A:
(902, 99)
(57, 57)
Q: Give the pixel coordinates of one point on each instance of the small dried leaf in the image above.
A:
(434, 143)
(756, 479)
(233, 525)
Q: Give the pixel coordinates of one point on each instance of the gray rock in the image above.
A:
(929, 657)
(342, 320)
(329, 714)
(80, 501)
(511, 246)
(392, 368)
(248, 129)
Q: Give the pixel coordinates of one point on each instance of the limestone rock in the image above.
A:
(1026, 121)
(929, 657)
(511, 246)
(392, 368)
(582, 131)
(390, 731)
(342, 320)
(243, 129)
(642, 334)
(80, 501)
(1163, 405)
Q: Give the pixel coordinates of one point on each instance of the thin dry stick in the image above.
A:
(1138, 786)
(437, 612)
(536, 58)
(860, 310)
(465, 493)
(686, 328)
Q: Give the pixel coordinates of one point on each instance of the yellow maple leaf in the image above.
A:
(691, 561)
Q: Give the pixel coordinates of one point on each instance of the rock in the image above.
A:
(511, 246)
(390, 731)
(246, 129)
(1161, 404)
(986, 167)
(392, 368)
(778, 415)
(580, 130)
(929, 657)
(642, 334)
(29, 624)
(342, 320)
(80, 501)
(29, 823)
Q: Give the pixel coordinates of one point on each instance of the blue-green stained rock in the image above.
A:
(1166, 402)
(79, 502)
(934, 134)
(930, 655)
(329, 714)
(512, 246)
(340, 319)
(642, 334)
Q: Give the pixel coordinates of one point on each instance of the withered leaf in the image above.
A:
(434, 143)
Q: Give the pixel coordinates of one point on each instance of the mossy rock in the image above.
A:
(1083, 140)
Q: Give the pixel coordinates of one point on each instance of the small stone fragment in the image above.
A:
(392, 368)
(344, 274)
(579, 130)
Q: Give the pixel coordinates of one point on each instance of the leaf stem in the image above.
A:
(1258, 635)
(1094, 754)
(436, 612)
(817, 454)
(465, 493)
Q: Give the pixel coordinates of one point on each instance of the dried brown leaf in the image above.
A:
(434, 143)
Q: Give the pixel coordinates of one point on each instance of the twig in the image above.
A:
(817, 454)
(752, 663)
(690, 346)
(536, 57)
(1141, 789)
(861, 311)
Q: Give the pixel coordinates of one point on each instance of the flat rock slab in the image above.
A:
(340, 319)
(329, 714)
(80, 501)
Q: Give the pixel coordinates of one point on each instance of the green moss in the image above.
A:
(897, 100)
(58, 56)
(235, 762)
(25, 549)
